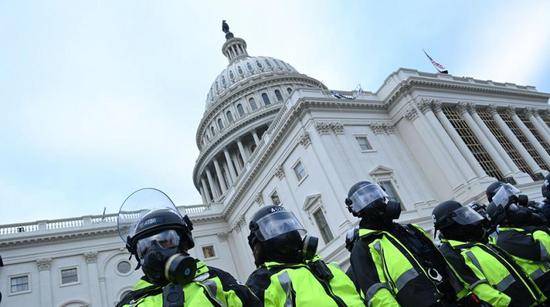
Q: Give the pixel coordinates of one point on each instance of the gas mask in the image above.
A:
(154, 261)
(162, 261)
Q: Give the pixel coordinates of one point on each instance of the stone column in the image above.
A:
(236, 162)
(541, 129)
(242, 151)
(102, 284)
(541, 121)
(504, 169)
(462, 147)
(535, 168)
(230, 165)
(532, 139)
(201, 190)
(225, 170)
(500, 150)
(212, 184)
(45, 281)
(450, 147)
(93, 280)
(220, 176)
(205, 190)
(256, 138)
(439, 156)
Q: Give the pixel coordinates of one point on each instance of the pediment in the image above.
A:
(381, 170)
(311, 200)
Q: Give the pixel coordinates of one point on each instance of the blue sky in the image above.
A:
(100, 98)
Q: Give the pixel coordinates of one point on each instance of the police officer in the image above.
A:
(520, 232)
(159, 237)
(490, 272)
(288, 271)
(397, 264)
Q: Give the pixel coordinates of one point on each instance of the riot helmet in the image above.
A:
(492, 190)
(277, 235)
(457, 222)
(509, 207)
(154, 231)
(545, 188)
(369, 200)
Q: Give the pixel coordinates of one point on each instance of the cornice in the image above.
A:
(57, 236)
(406, 85)
(246, 87)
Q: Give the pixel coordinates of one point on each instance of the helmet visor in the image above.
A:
(139, 204)
(466, 216)
(366, 195)
(278, 223)
(164, 239)
(502, 196)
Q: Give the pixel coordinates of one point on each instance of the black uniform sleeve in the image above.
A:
(363, 267)
(458, 264)
(230, 283)
(519, 244)
(259, 281)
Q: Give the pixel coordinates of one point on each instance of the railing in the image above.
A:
(81, 222)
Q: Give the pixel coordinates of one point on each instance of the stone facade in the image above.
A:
(425, 137)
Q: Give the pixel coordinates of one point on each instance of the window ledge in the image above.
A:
(20, 292)
(70, 284)
(302, 180)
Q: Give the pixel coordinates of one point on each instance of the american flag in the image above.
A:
(440, 68)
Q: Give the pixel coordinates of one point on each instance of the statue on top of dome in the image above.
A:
(225, 29)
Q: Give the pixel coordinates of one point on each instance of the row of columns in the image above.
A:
(489, 142)
(227, 168)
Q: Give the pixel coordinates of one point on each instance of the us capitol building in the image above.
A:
(272, 135)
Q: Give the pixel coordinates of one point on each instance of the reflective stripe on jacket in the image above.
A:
(296, 285)
(496, 269)
(205, 290)
(399, 277)
(530, 249)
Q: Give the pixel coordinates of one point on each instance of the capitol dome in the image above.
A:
(243, 69)
(240, 106)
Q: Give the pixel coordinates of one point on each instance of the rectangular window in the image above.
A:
(275, 199)
(69, 276)
(208, 251)
(363, 143)
(390, 189)
(19, 284)
(321, 221)
(300, 171)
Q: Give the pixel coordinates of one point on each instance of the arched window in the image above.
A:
(240, 109)
(266, 99)
(289, 90)
(252, 103)
(220, 124)
(229, 116)
(279, 96)
(212, 130)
